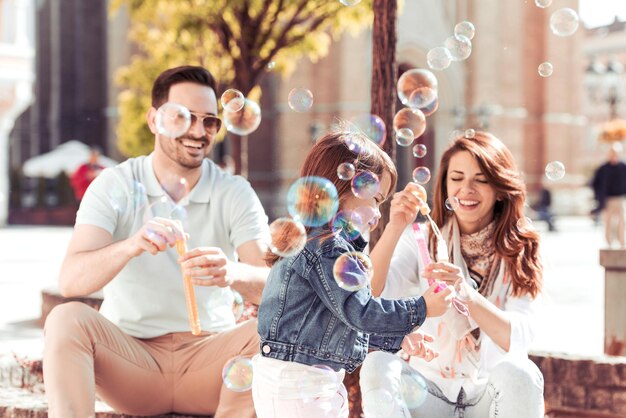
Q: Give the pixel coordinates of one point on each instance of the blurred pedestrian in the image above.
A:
(609, 188)
(85, 173)
(543, 210)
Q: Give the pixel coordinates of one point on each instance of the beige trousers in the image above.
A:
(614, 220)
(85, 353)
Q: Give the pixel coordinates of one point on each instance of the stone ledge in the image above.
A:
(587, 386)
(51, 297)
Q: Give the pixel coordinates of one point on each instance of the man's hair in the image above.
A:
(186, 73)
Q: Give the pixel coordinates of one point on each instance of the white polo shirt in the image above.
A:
(147, 297)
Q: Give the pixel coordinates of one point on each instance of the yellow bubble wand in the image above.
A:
(190, 294)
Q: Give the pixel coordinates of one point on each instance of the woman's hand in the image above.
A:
(443, 271)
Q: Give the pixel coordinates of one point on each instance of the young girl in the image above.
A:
(311, 329)
(483, 370)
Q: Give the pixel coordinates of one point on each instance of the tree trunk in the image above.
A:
(384, 77)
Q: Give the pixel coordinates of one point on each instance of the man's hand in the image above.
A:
(155, 236)
(208, 266)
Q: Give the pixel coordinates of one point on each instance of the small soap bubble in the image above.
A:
(414, 390)
(524, 224)
(346, 171)
(288, 237)
(564, 22)
(410, 119)
(352, 271)
(313, 200)
(172, 120)
(244, 121)
(365, 185)
(421, 175)
(348, 222)
(555, 170)
(545, 69)
(128, 200)
(237, 374)
(404, 137)
(439, 58)
(232, 100)
(460, 47)
(419, 151)
(465, 28)
(469, 133)
(238, 305)
(452, 203)
(300, 99)
(271, 65)
(372, 126)
(379, 403)
(349, 2)
(543, 3)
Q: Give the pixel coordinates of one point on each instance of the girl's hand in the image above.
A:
(415, 344)
(443, 271)
(405, 204)
(437, 303)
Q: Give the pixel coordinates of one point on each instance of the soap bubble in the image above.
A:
(414, 390)
(288, 237)
(410, 119)
(379, 403)
(465, 28)
(564, 22)
(238, 305)
(349, 222)
(244, 121)
(365, 185)
(172, 120)
(421, 175)
(312, 200)
(545, 69)
(555, 170)
(452, 203)
(404, 137)
(417, 88)
(352, 271)
(237, 374)
(232, 100)
(439, 58)
(543, 3)
(419, 151)
(345, 171)
(300, 99)
(460, 47)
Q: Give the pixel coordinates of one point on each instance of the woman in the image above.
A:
(482, 369)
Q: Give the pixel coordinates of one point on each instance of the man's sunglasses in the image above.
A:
(211, 123)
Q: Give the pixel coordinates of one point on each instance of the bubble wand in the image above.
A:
(442, 254)
(190, 294)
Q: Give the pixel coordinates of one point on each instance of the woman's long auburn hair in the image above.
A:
(328, 153)
(518, 249)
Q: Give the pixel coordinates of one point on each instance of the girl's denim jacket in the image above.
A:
(307, 318)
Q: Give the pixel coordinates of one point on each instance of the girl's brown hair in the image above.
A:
(335, 148)
(518, 248)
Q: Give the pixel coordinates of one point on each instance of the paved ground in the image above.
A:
(573, 310)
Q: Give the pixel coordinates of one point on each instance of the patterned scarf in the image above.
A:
(479, 253)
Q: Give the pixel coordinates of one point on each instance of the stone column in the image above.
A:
(614, 263)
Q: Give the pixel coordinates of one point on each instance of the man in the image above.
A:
(86, 173)
(138, 353)
(609, 188)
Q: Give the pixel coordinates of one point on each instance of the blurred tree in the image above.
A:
(237, 40)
